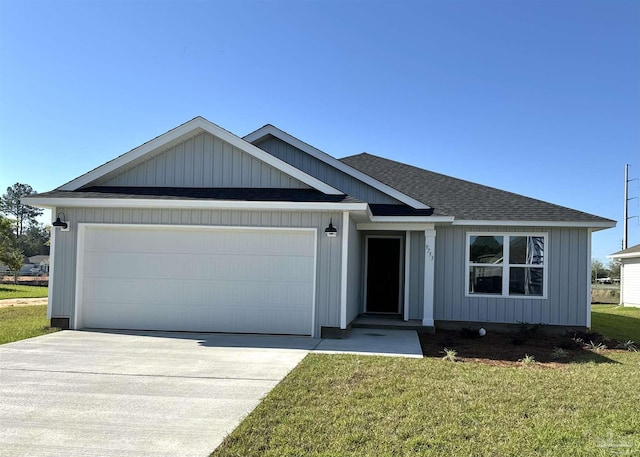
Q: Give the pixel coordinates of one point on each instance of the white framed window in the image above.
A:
(510, 265)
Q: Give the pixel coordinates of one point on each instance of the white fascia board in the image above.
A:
(193, 127)
(190, 204)
(569, 224)
(629, 255)
(335, 163)
(419, 227)
(415, 219)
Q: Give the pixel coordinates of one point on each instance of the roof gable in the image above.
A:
(269, 130)
(203, 160)
(172, 140)
(464, 200)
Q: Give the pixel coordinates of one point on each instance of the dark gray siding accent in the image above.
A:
(328, 249)
(567, 264)
(326, 173)
(354, 275)
(202, 161)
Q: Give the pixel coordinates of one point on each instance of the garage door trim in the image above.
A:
(83, 227)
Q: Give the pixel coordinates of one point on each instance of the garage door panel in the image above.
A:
(247, 280)
(205, 267)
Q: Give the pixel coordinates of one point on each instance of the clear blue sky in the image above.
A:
(538, 97)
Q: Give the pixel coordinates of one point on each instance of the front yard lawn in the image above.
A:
(343, 405)
(18, 291)
(621, 323)
(21, 322)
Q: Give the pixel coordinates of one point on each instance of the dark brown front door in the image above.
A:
(383, 275)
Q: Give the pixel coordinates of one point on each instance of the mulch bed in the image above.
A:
(508, 349)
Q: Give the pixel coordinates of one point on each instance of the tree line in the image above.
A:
(21, 235)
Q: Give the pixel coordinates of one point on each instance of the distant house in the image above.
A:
(201, 230)
(41, 262)
(629, 275)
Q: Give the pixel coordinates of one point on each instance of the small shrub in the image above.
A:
(527, 360)
(450, 355)
(559, 353)
(628, 345)
(595, 346)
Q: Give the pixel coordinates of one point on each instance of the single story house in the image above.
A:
(201, 230)
(629, 275)
(41, 262)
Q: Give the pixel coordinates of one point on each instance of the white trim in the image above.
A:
(594, 224)
(335, 163)
(83, 226)
(77, 312)
(505, 265)
(366, 270)
(191, 204)
(391, 226)
(344, 266)
(193, 127)
(416, 219)
(407, 264)
(589, 279)
(628, 255)
(52, 257)
(429, 278)
(314, 302)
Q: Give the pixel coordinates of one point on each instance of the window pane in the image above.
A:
(518, 250)
(526, 250)
(485, 280)
(485, 249)
(526, 281)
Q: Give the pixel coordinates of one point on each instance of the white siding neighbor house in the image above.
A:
(629, 275)
(202, 230)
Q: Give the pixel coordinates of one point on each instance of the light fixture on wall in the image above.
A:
(331, 231)
(64, 225)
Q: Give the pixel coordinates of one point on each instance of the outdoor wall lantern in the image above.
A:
(331, 231)
(64, 225)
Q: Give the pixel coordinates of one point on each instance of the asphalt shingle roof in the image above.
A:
(462, 199)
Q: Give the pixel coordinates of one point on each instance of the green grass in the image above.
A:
(21, 322)
(17, 291)
(616, 322)
(343, 405)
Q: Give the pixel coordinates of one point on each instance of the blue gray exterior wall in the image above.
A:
(567, 301)
(63, 284)
(320, 170)
(355, 273)
(202, 161)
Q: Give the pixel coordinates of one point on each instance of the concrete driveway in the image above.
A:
(77, 393)
(117, 394)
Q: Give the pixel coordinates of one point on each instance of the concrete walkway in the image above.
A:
(7, 302)
(77, 393)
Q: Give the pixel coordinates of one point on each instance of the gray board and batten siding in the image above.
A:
(323, 171)
(328, 249)
(354, 272)
(567, 299)
(202, 161)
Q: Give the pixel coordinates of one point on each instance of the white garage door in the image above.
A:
(245, 280)
(631, 282)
